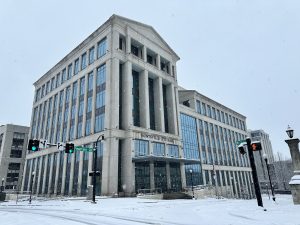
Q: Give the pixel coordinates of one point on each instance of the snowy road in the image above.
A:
(136, 211)
(72, 217)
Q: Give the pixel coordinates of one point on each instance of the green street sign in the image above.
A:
(85, 149)
(240, 142)
(78, 148)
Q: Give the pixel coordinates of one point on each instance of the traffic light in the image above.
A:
(256, 146)
(33, 145)
(69, 148)
(242, 149)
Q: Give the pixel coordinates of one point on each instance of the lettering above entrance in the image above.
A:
(157, 137)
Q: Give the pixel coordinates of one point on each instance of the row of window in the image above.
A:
(63, 109)
(137, 49)
(207, 110)
(216, 144)
(73, 69)
(141, 148)
(57, 166)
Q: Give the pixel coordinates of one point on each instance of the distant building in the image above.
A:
(13, 145)
(121, 82)
(263, 137)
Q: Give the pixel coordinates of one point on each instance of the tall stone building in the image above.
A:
(13, 145)
(262, 173)
(121, 82)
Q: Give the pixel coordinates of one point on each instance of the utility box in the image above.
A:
(2, 196)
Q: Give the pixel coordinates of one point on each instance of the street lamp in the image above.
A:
(290, 132)
(191, 172)
(31, 186)
(265, 156)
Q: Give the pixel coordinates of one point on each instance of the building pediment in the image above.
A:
(146, 30)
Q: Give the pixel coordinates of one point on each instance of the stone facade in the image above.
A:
(120, 82)
(13, 145)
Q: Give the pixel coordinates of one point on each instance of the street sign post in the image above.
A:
(240, 142)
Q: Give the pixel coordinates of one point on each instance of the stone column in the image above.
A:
(50, 173)
(168, 175)
(64, 174)
(127, 96)
(110, 166)
(80, 168)
(295, 180)
(85, 104)
(24, 174)
(112, 96)
(72, 173)
(69, 113)
(45, 174)
(159, 106)
(144, 53)
(172, 114)
(295, 154)
(158, 61)
(128, 167)
(56, 172)
(152, 181)
(144, 100)
(182, 173)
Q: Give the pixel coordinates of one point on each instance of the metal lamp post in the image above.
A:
(265, 156)
(95, 173)
(31, 187)
(191, 172)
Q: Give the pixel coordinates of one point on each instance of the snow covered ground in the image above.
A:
(124, 211)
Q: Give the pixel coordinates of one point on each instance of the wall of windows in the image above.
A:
(66, 73)
(207, 110)
(189, 137)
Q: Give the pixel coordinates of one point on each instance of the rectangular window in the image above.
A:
(101, 48)
(141, 147)
(91, 55)
(70, 71)
(158, 149)
(90, 81)
(208, 111)
(74, 95)
(100, 99)
(203, 109)
(83, 61)
(82, 86)
(52, 83)
(101, 75)
(58, 80)
(173, 151)
(76, 66)
(64, 76)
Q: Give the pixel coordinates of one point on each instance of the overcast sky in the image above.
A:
(243, 54)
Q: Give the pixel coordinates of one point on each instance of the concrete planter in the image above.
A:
(295, 188)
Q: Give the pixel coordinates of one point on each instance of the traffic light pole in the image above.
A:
(95, 168)
(94, 172)
(254, 174)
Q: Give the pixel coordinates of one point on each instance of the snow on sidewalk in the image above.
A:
(144, 211)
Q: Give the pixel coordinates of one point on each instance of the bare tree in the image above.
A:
(283, 171)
